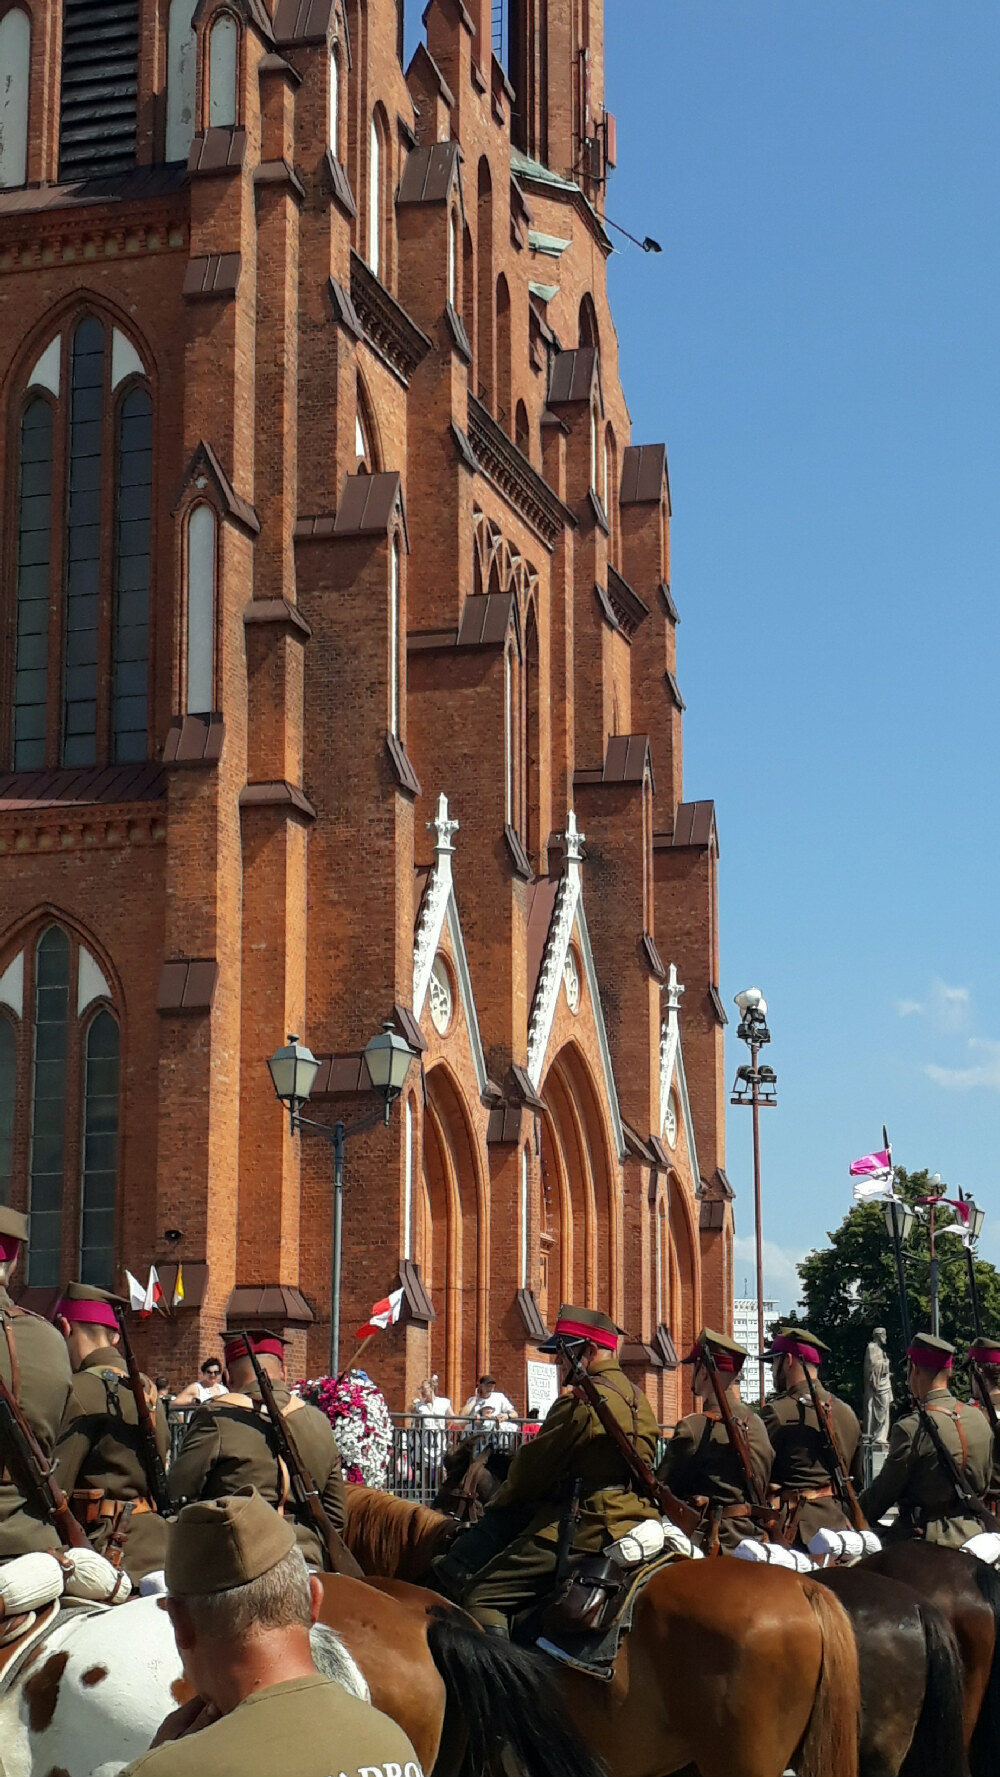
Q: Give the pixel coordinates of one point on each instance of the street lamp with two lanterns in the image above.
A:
(293, 1071)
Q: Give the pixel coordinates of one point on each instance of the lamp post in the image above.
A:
(293, 1071)
(899, 1219)
(755, 1086)
(977, 1217)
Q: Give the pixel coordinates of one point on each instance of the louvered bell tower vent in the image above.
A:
(100, 61)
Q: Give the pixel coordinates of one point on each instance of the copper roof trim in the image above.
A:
(278, 793)
(187, 984)
(531, 1316)
(278, 611)
(217, 150)
(518, 856)
(573, 375)
(428, 174)
(78, 787)
(644, 470)
(402, 765)
(194, 740)
(280, 1302)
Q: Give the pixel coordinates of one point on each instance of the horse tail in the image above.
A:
(830, 1743)
(984, 1750)
(937, 1748)
(507, 1703)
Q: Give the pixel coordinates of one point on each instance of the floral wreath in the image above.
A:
(356, 1409)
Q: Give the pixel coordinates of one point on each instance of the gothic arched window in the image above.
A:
(201, 548)
(375, 198)
(395, 574)
(82, 571)
(15, 85)
(223, 66)
(334, 117)
(182, 65)
(59, 1106)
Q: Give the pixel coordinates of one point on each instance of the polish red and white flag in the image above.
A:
(872, 1165)
(383, 1314)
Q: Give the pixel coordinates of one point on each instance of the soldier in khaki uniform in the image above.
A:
(34, 1365)
(702, 1466)
(984, 1355)
(241, 1602)
(803, 1467)
(508, 1560)
(229, 1445)
(913, 1476)
(100, 1450)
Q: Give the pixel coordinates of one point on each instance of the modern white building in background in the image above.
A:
(745, 1333)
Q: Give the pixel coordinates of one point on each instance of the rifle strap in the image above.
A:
(15, 1368)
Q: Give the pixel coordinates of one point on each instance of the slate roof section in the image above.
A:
(212, 275)
(460, 339)
(573, 374)
(217, 151)
(625, 759)
(194, 740)
(664, 1343)
(634, 1351)
(279, 611)
(503, 1125)
(674, 690)
(73, 787)
(279, 1302)
(715, 1000)
(341, 1075)
(415, 1293)
(694, 824)
(408, 1027)
(485, 620)
(666, 600)
(531, 1316)
(344, 310)
(466, 454)
(367, 504)
(644, 468)
(277, 793)
(711, 1217)
(187, 984)
(402, 765)
(141, 185)
(651, 957)
(428, 174)
(340, 184)
(518, 856)
(302, 21)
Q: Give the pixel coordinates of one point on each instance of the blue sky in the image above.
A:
(819, 346)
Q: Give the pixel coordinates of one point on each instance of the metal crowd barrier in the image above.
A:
(419, 1448)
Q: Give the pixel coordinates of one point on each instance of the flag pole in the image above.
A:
(897, 1248)
(354, 1361)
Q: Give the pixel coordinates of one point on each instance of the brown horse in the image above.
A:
(967, 1593)
(741, 1672)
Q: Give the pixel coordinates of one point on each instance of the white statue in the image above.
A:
(878, 1390)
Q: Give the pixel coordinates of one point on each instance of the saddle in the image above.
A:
(584, 1624)
(15, 1650)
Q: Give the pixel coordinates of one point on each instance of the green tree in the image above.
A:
(849, 1287)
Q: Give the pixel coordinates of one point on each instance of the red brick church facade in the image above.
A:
(338, 684)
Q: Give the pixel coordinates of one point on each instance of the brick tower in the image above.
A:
(338, 684)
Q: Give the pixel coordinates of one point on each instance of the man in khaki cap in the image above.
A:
(241, 1602)
(703, 1463)
(229, 1444)
(913, 1477)
(510, 1558)
(803, 1465)
(34, 1365)
(100, 1450)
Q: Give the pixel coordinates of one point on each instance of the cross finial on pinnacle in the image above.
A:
(673, 989)
(442, 826)
(572, 840)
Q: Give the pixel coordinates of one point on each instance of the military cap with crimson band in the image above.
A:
(985, 1351)
(13, 1232)
(797, 1342)
(583, 1323)
(217, 1544)
(930, 1353)
(729, 1356)
(264, 1345)
(82, 1303)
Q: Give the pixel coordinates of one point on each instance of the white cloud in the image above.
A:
(945, 1006)
(781, 1278)
(964, 1079)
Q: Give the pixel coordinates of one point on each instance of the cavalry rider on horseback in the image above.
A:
(706, 1462)
(570, 1479)
(99, 1453)
(229, 1444)
(984, 1366)
(803, 1461)
(914, 1477)
(35, 1367)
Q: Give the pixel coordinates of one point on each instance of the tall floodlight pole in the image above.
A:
(755, 1086)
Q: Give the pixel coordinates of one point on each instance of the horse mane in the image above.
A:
(393, 1538)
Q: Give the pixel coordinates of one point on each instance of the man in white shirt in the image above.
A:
(489, 1403)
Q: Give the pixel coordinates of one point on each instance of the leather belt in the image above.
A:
(789, 1495)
